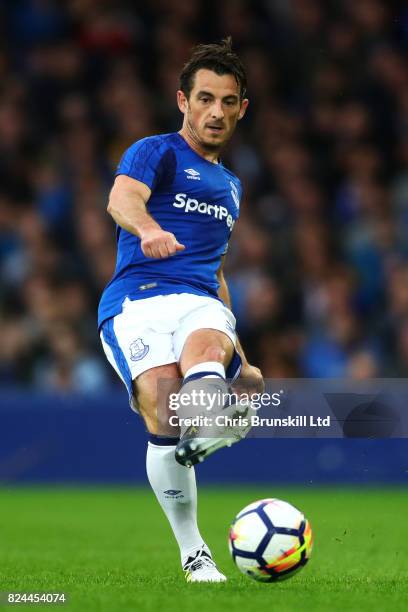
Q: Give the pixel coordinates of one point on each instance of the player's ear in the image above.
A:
(242, 110)
(182, 101)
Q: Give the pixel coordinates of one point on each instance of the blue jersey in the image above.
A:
(196, 200)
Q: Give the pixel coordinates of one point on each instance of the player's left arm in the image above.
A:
(248, 371)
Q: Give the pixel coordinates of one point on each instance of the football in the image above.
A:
(270, 540)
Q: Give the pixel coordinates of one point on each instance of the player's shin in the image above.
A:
(175, 488)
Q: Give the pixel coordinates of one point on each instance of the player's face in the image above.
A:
(212, 110)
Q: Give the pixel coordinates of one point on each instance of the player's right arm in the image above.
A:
(127, 205)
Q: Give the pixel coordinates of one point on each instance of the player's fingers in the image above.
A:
(172, 246)
(149, 250)
(158, 251)
(163, 249)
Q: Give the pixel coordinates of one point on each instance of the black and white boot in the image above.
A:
(200, 567)
(229, 425)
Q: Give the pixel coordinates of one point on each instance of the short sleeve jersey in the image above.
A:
(198, 201)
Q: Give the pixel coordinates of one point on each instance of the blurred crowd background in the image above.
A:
(318, 264)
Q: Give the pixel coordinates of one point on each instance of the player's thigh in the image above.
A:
(205, 333)
(151, 391)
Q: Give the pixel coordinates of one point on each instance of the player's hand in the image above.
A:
(250, 380)
(159, 244)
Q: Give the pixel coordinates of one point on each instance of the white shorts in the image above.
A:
(152, 332)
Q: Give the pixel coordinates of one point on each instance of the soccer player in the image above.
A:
(166, 312)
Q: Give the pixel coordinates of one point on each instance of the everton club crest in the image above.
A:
(138, 350)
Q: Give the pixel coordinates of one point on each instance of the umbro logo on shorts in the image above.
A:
(192, 174)
(138, 350)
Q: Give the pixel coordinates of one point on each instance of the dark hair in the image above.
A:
(218, 57)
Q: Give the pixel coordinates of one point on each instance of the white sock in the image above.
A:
(206, 369)
(175, 488)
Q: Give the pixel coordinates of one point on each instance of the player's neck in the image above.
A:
(211, 156)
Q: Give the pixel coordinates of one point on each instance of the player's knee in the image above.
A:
(214, 353)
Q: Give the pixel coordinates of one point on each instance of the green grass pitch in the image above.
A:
(111, 549)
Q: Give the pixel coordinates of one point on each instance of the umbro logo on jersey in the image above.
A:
(192, 174)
